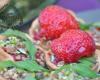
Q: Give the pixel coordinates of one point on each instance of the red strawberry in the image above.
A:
(72, 45)
(55, 20)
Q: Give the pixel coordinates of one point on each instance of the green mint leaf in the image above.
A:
(86, 63)
(85, 71)
(85, 26)
(31, 49)
(29, 65)
(6, 64)
(61, 68)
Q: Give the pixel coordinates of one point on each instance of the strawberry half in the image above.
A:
(55, 20)
(72, 45)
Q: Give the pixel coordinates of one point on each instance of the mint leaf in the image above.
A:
(91, 59)
(16, 33)
(31, 49)
(6, 64)
(83, 68)
(86, 63)
(85, 71)
(85, 26)
(29, 65)
(61, 68)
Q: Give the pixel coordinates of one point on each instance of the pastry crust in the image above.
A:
(2, 37)
(4, 55)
